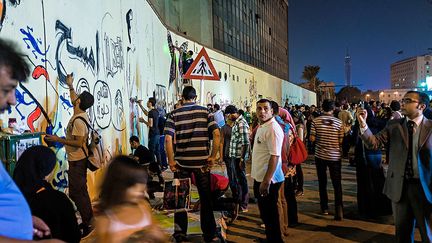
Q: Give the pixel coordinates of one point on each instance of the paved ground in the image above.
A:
(313, 226)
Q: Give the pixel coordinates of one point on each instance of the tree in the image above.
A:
(310, 74)
(350, 94)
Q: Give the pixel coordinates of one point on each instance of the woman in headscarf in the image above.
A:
(32, 174)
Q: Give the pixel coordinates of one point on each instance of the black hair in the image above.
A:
(216, 107)
(122, 173)
(230, 110)
(395, 105)
(134, 139)
(152, 100)
(86, 99)
(241, 112)
(328, 105)
(264, 101)
(189, 93)
(275, 107)
(11, 58)
(423, 97)
(31, 169)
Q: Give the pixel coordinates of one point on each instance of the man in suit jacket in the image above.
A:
(409, 177)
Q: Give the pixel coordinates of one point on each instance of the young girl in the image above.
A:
(125, 212)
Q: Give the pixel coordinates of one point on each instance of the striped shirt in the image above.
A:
(327, 131)
(239, 137)
(192, 124)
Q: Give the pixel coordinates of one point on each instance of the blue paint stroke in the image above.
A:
(29, 39)
(20, 100)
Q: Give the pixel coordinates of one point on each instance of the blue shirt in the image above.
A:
(15, 215)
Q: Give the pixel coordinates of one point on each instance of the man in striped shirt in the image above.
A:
(327, 133)
(192, 124)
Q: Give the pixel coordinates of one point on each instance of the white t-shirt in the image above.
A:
(268, 141)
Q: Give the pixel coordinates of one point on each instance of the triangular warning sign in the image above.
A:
(202, 68)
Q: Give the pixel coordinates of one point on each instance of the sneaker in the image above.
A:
(86, 231)
(234, 214)
(244, 210)
(324, 212)
(299, 193)
(262, 226)
(180, 238)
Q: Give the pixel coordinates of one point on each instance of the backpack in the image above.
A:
(94, 147)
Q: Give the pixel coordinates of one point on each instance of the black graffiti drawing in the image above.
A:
(129, 18)
(15, 2)
(113, 53)
(160, 96)
(83, 55)
(119, 121)
(102, 106)
(82, 86)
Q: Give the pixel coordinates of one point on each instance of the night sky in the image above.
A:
(373, 30)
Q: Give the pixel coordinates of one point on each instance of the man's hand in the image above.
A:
(69, 80)
(51, 138)
(264, 188)
(40, 229)
(242, 163)
(141, 120)
(211, 161)
(361, 116)
(173, 166)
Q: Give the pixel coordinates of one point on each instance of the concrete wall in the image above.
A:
(117, 50)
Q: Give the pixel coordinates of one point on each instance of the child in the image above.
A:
(122, 201)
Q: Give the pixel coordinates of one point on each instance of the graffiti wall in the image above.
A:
(297, 95)
(119, 51)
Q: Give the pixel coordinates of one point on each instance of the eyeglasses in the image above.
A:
(409, 100)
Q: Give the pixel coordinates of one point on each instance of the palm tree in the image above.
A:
(310, 74)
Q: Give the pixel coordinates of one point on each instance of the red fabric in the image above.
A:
(298, 153)
(217, 182)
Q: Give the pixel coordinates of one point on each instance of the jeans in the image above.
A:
(336, 178)
(78, 192)
(238, 181)
(208, 224)
(269, 211)
(153, 145)
(290, 197)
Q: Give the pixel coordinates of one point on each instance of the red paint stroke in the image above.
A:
(34, 115)
(40, 71)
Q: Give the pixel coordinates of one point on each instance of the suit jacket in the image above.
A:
(395, 135)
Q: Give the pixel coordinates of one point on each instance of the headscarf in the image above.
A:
(31, 169)
(288, 118)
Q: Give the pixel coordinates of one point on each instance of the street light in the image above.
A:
(367, 97)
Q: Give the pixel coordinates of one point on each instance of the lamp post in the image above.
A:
(367, 97)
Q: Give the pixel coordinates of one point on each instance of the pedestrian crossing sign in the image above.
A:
(202, 68)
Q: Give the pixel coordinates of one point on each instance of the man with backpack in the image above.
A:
(77, 153)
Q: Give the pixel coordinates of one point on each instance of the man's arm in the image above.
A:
(216, 143)
(221, 145)
(271, 168)
(142, 107)
(69, 81)
(169, 149)
(244, 130)
(149, 123)
(373, 142)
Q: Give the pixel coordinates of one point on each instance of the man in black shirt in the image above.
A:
(145, 158)
(152, 124)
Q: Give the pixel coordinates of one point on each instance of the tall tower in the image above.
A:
(347, 68)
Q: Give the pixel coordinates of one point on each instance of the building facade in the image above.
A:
(411, 73)
(253, 31)
(388, 95)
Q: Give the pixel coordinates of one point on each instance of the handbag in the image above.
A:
(298, 153)
(177, 194)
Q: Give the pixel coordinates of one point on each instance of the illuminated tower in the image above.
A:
(347, 68)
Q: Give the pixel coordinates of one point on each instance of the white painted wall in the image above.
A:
(117, 50)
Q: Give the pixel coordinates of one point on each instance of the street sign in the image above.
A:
(202, 68)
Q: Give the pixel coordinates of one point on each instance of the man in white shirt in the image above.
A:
(267, 168)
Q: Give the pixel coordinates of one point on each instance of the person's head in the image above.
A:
(284, 114)
(264, 110)
(13, 69)
(275, 107)
(345, 106)
(134, 142)
(189, 94)
(248, 109)
(414, 103)
(216, 107)
(125, 182)
(84, 101)
(395, 105)
(151, 103)
(231, 113)
(34, 169)
(302, 108)
(312, 108)
(328, 105)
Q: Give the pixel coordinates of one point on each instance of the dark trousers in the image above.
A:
(413, 208)
(346, 145)
(208, 224)
(153, 145)
(290, 197)
(269, 211)
(238, 182)
(336, 178)
(78, 192)
(298, 178)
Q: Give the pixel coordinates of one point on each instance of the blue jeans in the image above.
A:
(153, 145)
(238, 181)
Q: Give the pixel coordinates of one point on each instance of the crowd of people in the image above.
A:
(390, 144)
